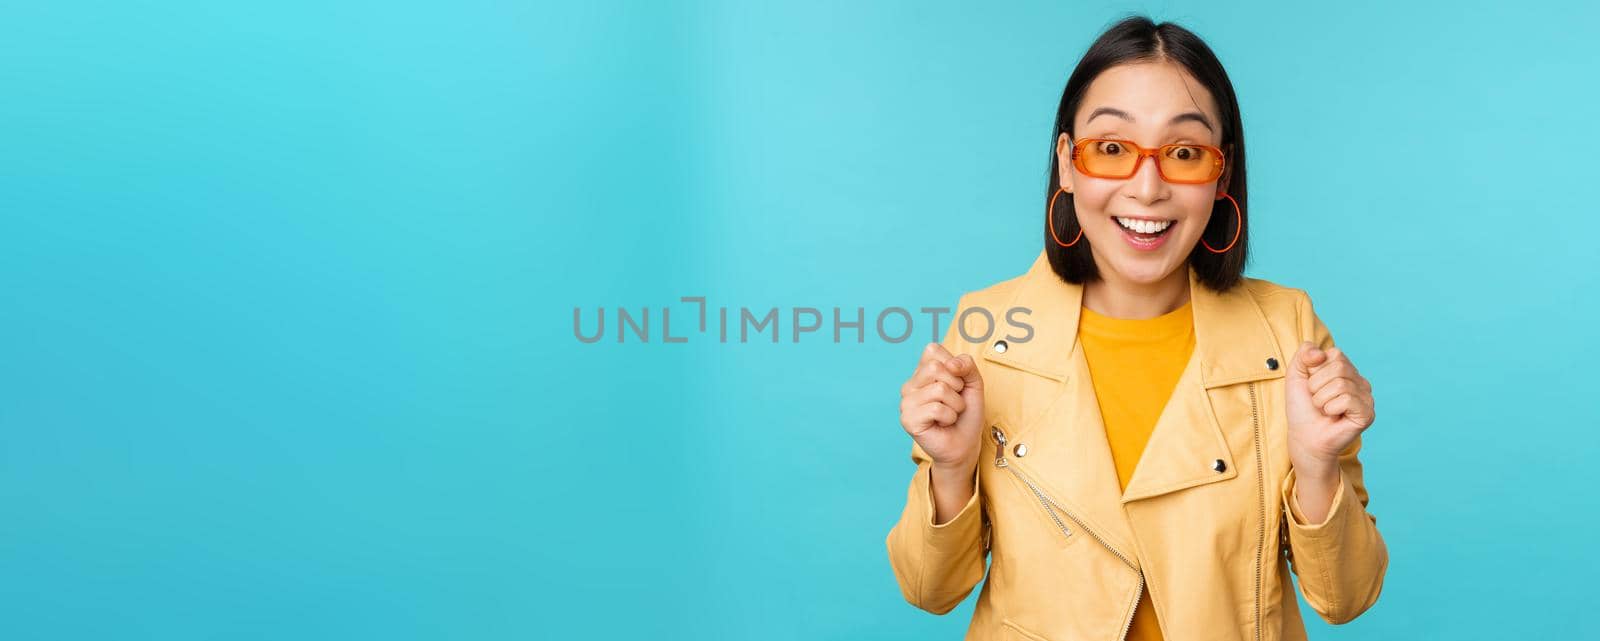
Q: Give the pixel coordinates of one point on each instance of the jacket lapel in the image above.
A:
(1232, 344)
(1070, 455)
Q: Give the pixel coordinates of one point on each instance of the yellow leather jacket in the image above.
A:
(1204, 524)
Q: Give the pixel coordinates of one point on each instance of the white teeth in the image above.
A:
(1144, 226)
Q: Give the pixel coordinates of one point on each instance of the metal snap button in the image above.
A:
(1272, 363)
(1000, 347)
(1219, 466)
(1020, 450)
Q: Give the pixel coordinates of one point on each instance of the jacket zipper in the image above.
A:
(1261, 497)
(1051, 506)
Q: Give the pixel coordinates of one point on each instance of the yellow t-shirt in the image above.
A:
(1134, 365)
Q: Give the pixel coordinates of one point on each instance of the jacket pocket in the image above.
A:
(1013, 632)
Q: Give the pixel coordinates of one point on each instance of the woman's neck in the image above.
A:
(1117, 297)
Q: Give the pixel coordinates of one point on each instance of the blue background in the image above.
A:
(289, 288)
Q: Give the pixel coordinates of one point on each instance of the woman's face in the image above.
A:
(1150, 104)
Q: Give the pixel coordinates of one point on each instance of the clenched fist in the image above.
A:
(941, 407)
(1329, 405)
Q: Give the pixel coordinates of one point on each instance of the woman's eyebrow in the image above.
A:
(1191, 115)
(1195, 116)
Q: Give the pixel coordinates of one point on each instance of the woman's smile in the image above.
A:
(1144, 234)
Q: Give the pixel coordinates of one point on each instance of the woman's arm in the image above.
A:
(1341, 559)
(937, 563)
(937, 548)
(1338, 554)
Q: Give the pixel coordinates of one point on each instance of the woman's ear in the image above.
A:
(1064, 161)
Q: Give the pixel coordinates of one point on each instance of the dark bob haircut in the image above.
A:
(1137, 39)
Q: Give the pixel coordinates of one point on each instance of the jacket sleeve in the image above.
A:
(937, 566)
(1341, 561)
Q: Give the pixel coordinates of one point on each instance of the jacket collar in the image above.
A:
(1232, 338)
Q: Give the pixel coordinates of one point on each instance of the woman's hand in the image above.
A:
(941, 407)
(1329, 405)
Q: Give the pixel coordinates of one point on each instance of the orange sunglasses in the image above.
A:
(1185, 164)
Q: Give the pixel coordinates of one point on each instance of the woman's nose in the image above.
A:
(1146, 184)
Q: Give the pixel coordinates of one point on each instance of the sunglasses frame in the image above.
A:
(1079, 145)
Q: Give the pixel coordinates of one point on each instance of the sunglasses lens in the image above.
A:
(1189, 163)
(1108, 158)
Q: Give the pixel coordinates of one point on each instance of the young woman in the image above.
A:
(1170, 439)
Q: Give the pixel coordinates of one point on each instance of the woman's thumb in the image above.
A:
(1307, 357)
(964, 367)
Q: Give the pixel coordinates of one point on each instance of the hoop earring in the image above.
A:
(1236, 228)
(1050, 220)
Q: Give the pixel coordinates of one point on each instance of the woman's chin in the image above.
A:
(1144, 268)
